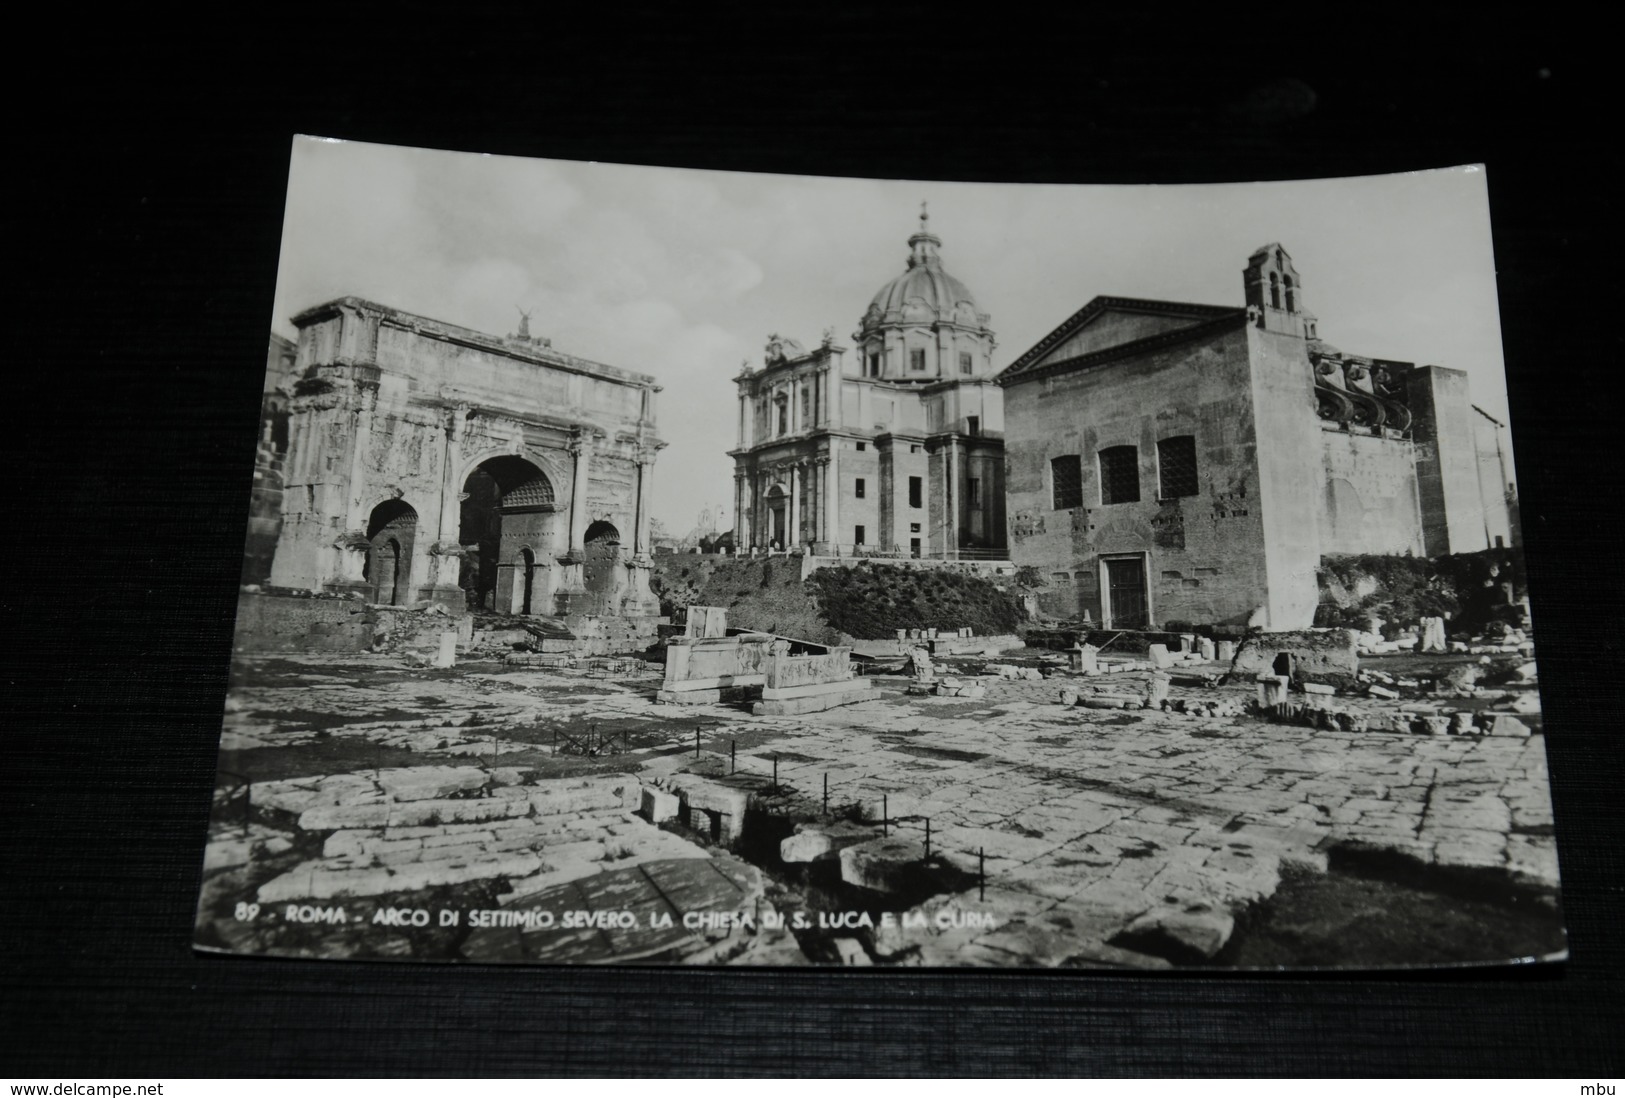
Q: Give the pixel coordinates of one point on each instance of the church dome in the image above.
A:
(924, 293)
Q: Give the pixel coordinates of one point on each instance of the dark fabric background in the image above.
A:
(149, 159)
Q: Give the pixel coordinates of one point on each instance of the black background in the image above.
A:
(150, 153)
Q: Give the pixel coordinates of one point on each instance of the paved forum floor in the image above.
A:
(370, 781)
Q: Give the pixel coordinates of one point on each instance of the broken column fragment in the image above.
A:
(814, 842)
(882, 865)
(446, 656)
(1271, 690)
(1433, 639)
(1156, 695)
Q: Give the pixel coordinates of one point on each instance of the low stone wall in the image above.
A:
(699, 669)
(786, 671)
(612, 636)
(1311, 655)
(292, 623)
(949, 645)
(689, 658)
(1412, 720)
(985, 568)
(810, 683)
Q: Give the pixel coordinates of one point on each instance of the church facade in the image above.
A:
(1193, 463)
(430, 462)
(892, 448)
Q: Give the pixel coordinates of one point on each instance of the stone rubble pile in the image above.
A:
(1497, 639)
(957, 688)
(1156, 697)
(1191, 650)
(1412, 720)
(1010, 671)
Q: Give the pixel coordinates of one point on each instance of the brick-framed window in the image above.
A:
(858, 490)
(1066, 481)
(1176, 467)
(1119, 475)
(916, 359)
(966, 363)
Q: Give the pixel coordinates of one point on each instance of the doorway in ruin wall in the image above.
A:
(507, 528)
(391, 530)
(777, 504)
(1128, 601)
(601, 569)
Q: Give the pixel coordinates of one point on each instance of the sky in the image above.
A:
(684, 274)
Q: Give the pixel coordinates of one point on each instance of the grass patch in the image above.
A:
(873, 601)
(1462, 588)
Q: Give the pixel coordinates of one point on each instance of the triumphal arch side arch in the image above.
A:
(429, 462)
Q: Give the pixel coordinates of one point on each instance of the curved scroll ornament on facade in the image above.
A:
(1368, 410)
(1333, 404)
(1391, 392)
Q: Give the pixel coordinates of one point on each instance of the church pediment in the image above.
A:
(1111, 328)
(1109, 322)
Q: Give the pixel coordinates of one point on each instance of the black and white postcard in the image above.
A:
(652, 566)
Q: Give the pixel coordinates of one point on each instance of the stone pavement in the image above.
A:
(1094, 827)
(1097, 823)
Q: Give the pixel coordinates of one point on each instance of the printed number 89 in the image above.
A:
(246, 912)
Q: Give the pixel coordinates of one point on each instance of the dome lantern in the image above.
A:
(924, 325)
